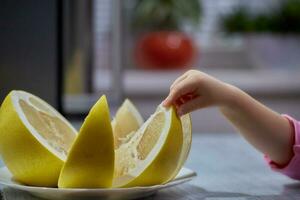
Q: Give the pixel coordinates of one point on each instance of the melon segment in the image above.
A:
(186, 123)
(35, 139)
(152, 155)
(127, 121)
(90, 163)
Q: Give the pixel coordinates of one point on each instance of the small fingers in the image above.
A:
(181, 89)
(196, 103)
(185, 98)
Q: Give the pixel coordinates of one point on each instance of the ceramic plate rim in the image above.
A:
(178, 180)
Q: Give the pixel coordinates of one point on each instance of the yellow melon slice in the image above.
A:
(34, 139)
(127, 121)
(152, 155)
(90, 163)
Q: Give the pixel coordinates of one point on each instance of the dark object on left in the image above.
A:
(31, 48)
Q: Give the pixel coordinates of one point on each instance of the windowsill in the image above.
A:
(255, 81)
(138, 83)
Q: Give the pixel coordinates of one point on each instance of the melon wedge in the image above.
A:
(90, 163)
(34, 139)
(127, 121)
(186, 123)
(152, 155)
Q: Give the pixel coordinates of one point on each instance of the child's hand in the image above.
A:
(265, 129)
(194, 90)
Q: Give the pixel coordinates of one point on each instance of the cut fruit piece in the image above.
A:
(152, 155)
(90, 163)
(35, 139)
(186, 123)
(127, 121)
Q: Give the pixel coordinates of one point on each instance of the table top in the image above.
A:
(229, 168)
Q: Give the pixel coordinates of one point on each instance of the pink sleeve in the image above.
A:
(292, 169)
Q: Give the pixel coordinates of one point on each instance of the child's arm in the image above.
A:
(265, 129)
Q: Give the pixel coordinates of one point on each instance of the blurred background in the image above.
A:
(71, 52)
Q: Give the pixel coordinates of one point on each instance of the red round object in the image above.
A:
(164, 50)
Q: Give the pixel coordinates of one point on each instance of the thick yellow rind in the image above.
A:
(90, 162)
(190, 139)
(164, 165)
(26, 158)
(184, 152)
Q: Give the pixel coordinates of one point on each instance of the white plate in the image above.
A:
(113, 193)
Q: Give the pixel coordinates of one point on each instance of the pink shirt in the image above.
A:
(292, 169)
